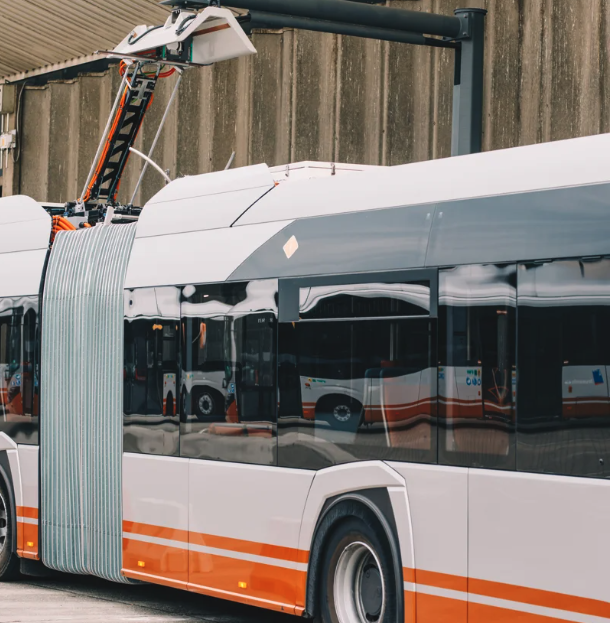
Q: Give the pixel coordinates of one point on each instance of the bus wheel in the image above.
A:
(9, 563)
(205, 404)
(357, 582)
(341, 412)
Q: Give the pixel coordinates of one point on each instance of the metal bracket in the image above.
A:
(465, 26)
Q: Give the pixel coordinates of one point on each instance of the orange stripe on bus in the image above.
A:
(27, 540)
(160, 561)
(479, 613)
(154, 579)
(219, 542)
(436, 579)
(264, 585)
(252, 580)
(250, 547)
(19, 538)
(508, 592)
(243, 599)
(441, 580)
(27, 511)
(435, 609)
(538, 597)
(172, 534)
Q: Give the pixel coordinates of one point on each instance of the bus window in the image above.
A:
(564, 362)
(362, 387)
(476, 374)
(229, 366)
(11, 365)
(151, 373)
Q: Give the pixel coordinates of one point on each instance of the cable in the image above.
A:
(184, 24)
(60, 224)
(131, 41)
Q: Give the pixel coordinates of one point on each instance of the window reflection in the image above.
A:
(152, 326)
(477, 374)
(228, 391)
(358, 389)
(371, 300)
(564, 359)
(19, 387)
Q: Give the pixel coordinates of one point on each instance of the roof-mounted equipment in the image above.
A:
(188, 38)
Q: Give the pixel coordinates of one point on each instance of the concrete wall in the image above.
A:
(309, 96)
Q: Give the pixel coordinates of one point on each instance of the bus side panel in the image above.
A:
(244, 533)
(155, 519)
(27, 511)
(438, 500)
(538, 545)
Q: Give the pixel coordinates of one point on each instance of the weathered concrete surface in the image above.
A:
(324, 97)
(83, 599)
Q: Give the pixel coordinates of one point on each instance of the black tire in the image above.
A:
(9, 562)
(371, 591)
(206, 404)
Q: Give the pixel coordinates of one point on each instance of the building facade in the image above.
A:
(311, 96)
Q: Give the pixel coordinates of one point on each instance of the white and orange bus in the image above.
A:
(360, 396)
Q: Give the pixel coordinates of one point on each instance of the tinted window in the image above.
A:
(357, 389)
(19, 388)
(564, 359)
(152, 330)
(228, 390)
(476, 375)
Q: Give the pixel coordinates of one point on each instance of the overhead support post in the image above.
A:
(467, 127)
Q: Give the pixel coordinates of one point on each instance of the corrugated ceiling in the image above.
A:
(35, 33)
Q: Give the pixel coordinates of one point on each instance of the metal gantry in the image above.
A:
(463, 32)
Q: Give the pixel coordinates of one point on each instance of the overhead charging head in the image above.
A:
(188, 37)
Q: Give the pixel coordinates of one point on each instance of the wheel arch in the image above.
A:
(373, 501)
(7, 480)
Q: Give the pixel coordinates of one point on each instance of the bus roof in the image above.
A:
(25, 230)
(525, 203)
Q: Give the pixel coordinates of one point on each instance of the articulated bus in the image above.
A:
(355, 396)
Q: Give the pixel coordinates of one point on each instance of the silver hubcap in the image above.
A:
(342, 413)
(3, 523)
(206, 404)
(358, 587)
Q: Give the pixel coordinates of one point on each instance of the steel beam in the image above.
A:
(360, 14)
(260, 19)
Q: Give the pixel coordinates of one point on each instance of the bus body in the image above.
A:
(360, 395)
